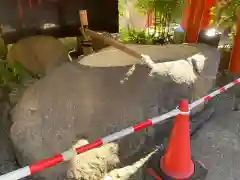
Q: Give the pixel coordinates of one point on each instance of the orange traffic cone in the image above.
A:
(175, 162)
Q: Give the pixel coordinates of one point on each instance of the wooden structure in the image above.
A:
(58, 18)
(234, 66)
(196, 16)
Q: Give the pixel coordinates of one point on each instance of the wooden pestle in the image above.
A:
(146, 59)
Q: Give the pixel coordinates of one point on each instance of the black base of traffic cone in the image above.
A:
(153, 171)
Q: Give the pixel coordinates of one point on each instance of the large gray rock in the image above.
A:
(86, 101)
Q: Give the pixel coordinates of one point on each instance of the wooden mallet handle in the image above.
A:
(113, 43)
(121, 47)
(83, 18)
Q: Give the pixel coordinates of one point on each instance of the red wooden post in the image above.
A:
(194, 21)
(196, 17)
(206, 13)
(186, 12)
(20, 10)
(149, 19)
(30, 4)
(234, 66)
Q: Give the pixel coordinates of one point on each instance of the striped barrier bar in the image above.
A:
(67, 155)
(214, 93)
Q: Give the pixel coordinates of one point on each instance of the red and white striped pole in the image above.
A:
(67, 155)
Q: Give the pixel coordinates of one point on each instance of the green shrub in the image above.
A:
(14, 74)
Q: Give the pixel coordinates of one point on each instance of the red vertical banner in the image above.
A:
(234, 66)
(195, 20)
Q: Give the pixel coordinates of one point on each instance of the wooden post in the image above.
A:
(30, 4)
(186, 12)
(206, 17)
(234, 66)
(149, 19)
(86, 43)
(194, 20)
(83, 18)
(20, 10)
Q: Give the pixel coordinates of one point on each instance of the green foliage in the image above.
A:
(3, 48)
(134, 36)
(170, 9)
(165, 13)
(226, 17)
(14, 74)
(5, 75)
(231, 10)
(120, 7)
(141, 37)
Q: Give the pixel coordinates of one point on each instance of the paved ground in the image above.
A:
(217, 144)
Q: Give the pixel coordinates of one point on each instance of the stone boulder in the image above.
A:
(38, 54)
(85, 101)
